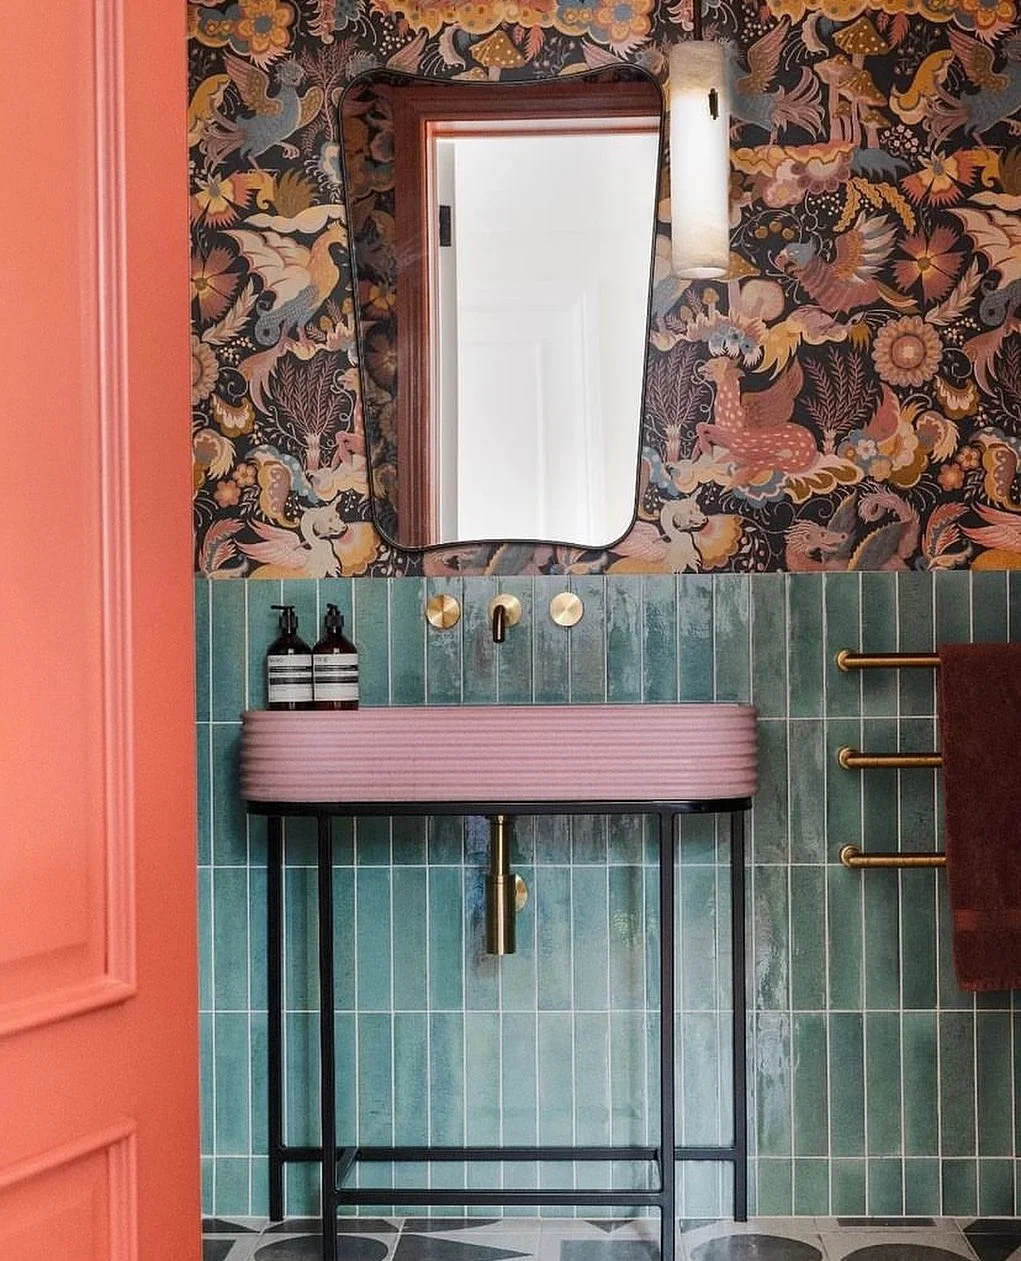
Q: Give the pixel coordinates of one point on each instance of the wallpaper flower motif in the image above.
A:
(848, 398)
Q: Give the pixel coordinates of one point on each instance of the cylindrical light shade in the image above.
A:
(699, 160)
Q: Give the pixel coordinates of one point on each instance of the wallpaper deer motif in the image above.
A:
(848, 398)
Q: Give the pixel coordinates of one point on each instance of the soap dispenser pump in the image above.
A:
(335, 665)
(288, 665)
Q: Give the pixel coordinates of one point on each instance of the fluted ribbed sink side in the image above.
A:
(683, 752)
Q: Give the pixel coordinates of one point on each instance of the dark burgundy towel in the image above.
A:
(980, 739)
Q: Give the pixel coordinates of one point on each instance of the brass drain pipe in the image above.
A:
(506, 893)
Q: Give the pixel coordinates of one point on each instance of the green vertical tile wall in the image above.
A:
(877, 1085)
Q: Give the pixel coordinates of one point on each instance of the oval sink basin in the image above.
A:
(501, 753)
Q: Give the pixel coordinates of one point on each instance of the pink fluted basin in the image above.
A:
(501, 753)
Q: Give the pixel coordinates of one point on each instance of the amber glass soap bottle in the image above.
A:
(335, 665)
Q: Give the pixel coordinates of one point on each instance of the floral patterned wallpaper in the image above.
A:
(847, 399)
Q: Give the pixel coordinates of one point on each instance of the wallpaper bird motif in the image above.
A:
(847, 398)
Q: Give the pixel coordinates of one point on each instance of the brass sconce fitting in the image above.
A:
(504, 611)
(506, 893)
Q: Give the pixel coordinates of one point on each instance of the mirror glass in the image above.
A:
(502, 241)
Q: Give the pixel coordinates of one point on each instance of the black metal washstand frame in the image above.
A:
(338, 1163)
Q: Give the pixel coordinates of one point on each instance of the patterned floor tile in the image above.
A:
(759, 1239)
(469, 1244)
(309, 1247)
(994, 1238)
(903, 1244)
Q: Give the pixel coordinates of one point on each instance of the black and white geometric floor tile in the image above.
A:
(622, 1239)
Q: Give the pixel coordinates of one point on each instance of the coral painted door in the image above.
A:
(98, 1007)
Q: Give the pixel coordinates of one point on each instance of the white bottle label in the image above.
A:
(336, 676)
(289, 678)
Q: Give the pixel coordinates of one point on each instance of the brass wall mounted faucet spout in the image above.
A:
(505, 611)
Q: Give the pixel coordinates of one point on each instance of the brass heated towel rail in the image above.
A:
(853, 760)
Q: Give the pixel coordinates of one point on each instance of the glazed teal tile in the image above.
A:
(207, 1083)
(205, 938)
(847, 1084)
(989, 606)
(773, 1084)
(879, 634)
(960, 1188)
(518, 971)
(258, 1051)
(918, 791)
(208, 1166)
(230, 1064)
(921, 1188)
(843, 788)
(201, 600)
(553, 838)
(479, 686)
(950, 995)
(372, 637)
(409, 838)
(408, 631)
(811, 1113)
(695, 637)
(344, 944)
(553, 937)
(769, 634)
(230, 938)
(444, 654)
(445, 839)
(303, 593)
(411, 1078)
(375, 1098)
(588, 643)
(263, 627)
(844, 894)
(231, 1172)
(259, 1175)
(953, 606)
(695, 933)
(811, 1188)
(1014, 606)
(957, 1083)
(626, 938)
(996, 1188)
(258, 846)
(917, 634)
(301, 1190)
(808, 756)
(229, 832)
(588, 838)
(482, 1082)
(770, 811)
(808, 938)
(345, 1032)
(882, 948)
(592, 1066)
(848, 1188)
(652, 946)
(300, 842)
(731, 633)
(227, 650)
(517, 1069)
(842, 605)
(886, 1188)
(805, 644)
(625, 838)
(775, 1188)
(772, 946)
(372, 893)
(204, 804)
(921, 1083)
(883, 1084)
(659, 638)
(551, 645)
(590, 936)
(482, 970)
(624, 639)
(301, 1058)
(696, 839)
(993, 1065)
(627, 1072)
(514, 658)
(257, 953)
(918, 939)
(301, 940)
(698, 1118)
(446, 917)
(374, 841)
(409, 939)
(879, 811)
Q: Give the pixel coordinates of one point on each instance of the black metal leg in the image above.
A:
(667, 1141)
(737, 948)
(327, 1051)
(275, 999)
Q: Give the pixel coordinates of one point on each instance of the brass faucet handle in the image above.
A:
(504, 611)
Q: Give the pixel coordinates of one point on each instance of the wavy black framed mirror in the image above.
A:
(502, 241)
